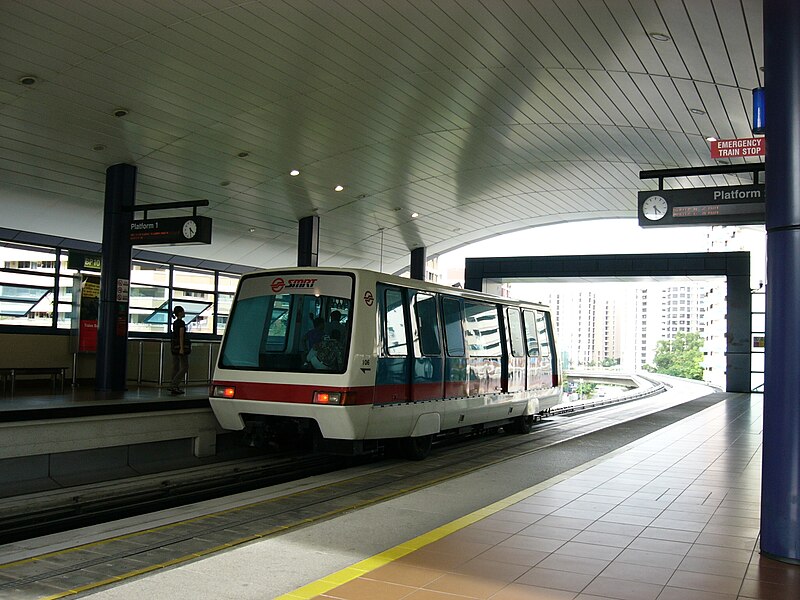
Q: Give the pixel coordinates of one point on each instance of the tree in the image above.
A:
(586, 390)
(681, 356)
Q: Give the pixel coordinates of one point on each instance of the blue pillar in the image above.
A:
(308, 242)
(112, 332)
(418, 263)
(780, 493)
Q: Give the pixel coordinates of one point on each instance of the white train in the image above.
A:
(363, 357)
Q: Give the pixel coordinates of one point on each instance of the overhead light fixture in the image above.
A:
(224, 183)
(414, 215)
(711, 138)
(252, 230)
(120, 112)
(98, 147)
(659, 37)
(697, 111)
(243, 154)
(28, 80)
(294, 172)
(338, 188)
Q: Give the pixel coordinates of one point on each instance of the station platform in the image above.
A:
(671, 515)
(86, 401)
(52, 441)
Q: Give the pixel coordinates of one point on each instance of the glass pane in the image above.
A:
(531, 340)
(759, 323)
(515, 332)
(481, 329)
(228, 283)
(543, 333)
(194, 280)
(149, 274)
(277, 324)
(427, 324)
(757, 362)
(64, 319)
(23, 305)
(149, 309)
(199, 307)
(453, 329)
(35, 260)
(396, 344)
(66, 286)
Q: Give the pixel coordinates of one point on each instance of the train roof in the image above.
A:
(367, 275)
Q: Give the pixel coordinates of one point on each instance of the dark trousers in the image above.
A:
(180, 365)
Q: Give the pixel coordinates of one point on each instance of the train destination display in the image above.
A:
(729, 205)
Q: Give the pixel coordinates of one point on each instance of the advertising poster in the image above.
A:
(87, 313)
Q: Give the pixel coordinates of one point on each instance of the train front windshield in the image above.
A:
(290, 323)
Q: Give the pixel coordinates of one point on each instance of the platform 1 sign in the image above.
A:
(738, 148)
(171, 230)
(728, 205)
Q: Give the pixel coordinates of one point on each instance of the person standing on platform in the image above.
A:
(181, 348)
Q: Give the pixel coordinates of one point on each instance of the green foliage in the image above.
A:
(609, 362)
(681, 357)
(586, 390)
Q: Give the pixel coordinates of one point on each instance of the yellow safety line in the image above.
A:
(363, 567)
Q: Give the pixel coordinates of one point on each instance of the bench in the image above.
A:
(11, 374)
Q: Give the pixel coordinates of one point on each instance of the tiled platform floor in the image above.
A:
(674, 516)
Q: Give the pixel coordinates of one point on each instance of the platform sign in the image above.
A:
(171, 230)
(729, 205)
(738, 148)
(84, 261)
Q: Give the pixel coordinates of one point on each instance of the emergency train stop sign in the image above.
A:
(738, 148)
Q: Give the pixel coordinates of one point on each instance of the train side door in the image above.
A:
(394, 355)
(455, 359)
(516, 370)
(427, 382)
(534, 370)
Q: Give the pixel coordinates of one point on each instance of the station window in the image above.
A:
(38, 289)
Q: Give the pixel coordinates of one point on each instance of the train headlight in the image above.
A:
(223, 391)
(328, 398)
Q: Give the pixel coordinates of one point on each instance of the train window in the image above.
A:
(543, 332)
(453, 329)
(396, 344)
(271, 327)
(427, 324)
(531, 339)
(482, 331)
(515, 332)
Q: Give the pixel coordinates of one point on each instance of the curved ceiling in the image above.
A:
(483, 117)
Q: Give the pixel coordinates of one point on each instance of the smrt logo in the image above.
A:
(278, 284)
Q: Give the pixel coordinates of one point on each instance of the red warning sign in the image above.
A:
(738, 148)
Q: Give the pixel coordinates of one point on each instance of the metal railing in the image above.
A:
(150, 361)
